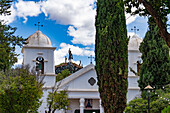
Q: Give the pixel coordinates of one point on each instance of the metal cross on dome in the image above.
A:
(38, 25)
(91, 57)
(135, 29)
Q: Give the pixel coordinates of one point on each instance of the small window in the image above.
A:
(139, 64)
(92, 81)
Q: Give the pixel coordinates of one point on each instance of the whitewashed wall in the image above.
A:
(30, 55)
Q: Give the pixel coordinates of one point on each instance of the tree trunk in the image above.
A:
(162, 28)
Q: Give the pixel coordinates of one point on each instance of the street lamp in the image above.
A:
(148, 88)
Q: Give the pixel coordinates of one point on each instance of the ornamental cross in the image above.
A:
(38, 25)
(135, 29)
(91, 57)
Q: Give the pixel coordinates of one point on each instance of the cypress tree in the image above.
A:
(155, 69)
(111, 55)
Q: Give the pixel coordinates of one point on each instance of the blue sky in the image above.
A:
(68, 24)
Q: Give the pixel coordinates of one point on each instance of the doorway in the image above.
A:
(88, 111)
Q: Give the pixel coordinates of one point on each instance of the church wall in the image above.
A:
(132, 93)
(132, 81)
(49, 81)
(133, 57)
(82, 81)
(74, 104)
(83, 94)
(43, 106)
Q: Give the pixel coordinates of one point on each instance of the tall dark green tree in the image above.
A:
(111, 55)
(155, 69)
(8, 41)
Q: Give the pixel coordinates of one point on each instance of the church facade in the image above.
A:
(82, 85)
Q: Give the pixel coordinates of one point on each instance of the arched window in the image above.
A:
(40, 64)
(139, 64)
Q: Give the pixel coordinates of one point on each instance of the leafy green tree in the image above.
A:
(159, 100)
(158, 9)
(20, 91)
(155, 69)
(111, 55)
(166, 110)
(4, 6)
(137, 106)
(8, 41)
(57, 101)
(65, 73)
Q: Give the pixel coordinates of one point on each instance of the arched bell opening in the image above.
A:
(40, 64)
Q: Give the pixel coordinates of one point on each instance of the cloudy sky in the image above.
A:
(68, 24)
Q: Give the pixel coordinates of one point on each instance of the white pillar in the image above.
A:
(101, 108)
(82, 105)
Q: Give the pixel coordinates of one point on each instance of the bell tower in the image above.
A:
(38, 53)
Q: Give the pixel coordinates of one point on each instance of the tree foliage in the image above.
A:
(111, 54)
(166, 110)
(64, 73)
(4, 7)
(57, 101)
(20, 91)
(8, 41)
(159, 100)
(158, 9)
(155, 69)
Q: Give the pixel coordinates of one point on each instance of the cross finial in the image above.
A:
(38, 25)
(91, 57)
(65, 59)
(135, 29)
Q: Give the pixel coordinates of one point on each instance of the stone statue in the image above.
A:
(70, 55)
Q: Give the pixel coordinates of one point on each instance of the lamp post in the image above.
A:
(148, 88)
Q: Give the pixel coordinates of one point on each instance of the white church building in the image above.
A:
(82, 85)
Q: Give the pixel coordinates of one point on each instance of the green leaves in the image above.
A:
(58, 101)
(4, 6)
(156, 61)
(20, 92)
(8, 41)
(65, 73)
(159, 99)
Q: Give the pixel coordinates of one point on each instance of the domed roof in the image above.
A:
(134, 43)
(38, 39)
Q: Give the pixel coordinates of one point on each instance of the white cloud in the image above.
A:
(61, 53)
(22, 9)
(19, 62)
(79, 14)
(130, 18)
(20, 57)
(130, 34)
(83, 35)
(9, 18)
(27, 8)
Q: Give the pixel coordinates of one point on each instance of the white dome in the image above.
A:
(38, 39)
(134, 43)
